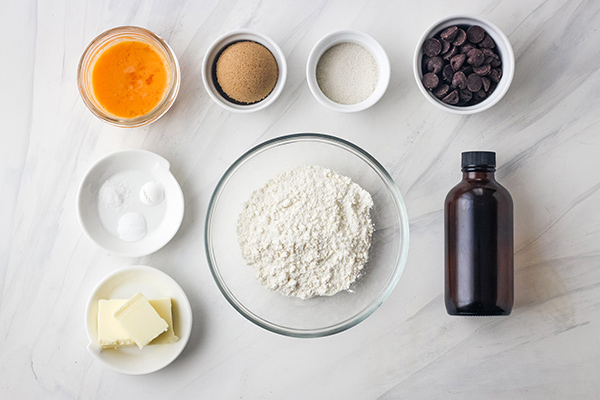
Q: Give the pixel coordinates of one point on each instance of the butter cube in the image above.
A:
(140, 320)
(110, 333)
(163, 308)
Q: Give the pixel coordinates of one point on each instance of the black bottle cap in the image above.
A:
(478, 159)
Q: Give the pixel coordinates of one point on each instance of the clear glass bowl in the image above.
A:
(97, 47)
(319, 316)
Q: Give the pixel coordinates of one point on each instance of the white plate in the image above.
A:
(153, 283)
(134, 167)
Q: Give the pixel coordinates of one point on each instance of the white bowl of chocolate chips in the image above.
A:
(463, 64)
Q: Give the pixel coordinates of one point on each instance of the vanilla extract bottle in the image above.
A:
(479, 251)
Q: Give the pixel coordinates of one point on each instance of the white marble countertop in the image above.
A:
(546, 132)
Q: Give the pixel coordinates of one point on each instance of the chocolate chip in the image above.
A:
(466, 48)
(451, 98)
(424, 63)
(465, 95)
(459, 80)
(486, 84)
(441, 90)
(445, 46)
(475, 34)
(461, 38)
(449, 34)
(432, 47)
(475, 57)
(466, 69)
(448, 73)
(488, 52)
(487, 42)
(479, 95)
(474, 82)
(496, 62)
(457, 61)
(482, 70)
(430, 81)
(495, 75)
(450, 53)
(435, 64)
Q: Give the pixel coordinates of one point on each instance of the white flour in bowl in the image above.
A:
(307, 232)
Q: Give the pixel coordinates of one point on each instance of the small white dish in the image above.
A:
(502, 45)
(215, 49)
(134, 167)
(348, 36)
(123, 284)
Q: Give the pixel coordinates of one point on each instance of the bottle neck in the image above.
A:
(479, 173)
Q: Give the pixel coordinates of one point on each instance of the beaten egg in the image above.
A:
(130, 79)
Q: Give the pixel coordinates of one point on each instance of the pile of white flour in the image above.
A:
(307, 232)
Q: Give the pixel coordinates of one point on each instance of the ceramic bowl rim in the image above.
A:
(365, 40)
(235, 36)
(503, 44)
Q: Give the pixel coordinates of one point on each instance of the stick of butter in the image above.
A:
(112, 335)
(140, 320)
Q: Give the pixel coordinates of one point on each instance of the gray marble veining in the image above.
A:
(545, 131)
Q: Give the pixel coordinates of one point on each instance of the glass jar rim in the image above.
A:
(99, 45)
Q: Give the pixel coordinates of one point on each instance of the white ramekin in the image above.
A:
(219, 45)
(351, 36)
(502, 45)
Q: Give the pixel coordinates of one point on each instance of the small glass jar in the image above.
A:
(103, 42)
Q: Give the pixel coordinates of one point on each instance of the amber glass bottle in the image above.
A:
(479, 241)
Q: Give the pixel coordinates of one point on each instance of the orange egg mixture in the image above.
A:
(130, 79)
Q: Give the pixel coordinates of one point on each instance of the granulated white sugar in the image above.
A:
(347, 73)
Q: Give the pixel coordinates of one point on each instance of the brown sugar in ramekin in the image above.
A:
(246, 72)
